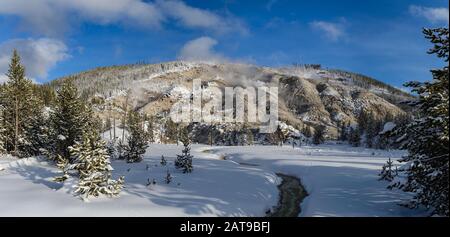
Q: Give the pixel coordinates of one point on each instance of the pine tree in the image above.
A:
(136, 141)
(92, 162)
(17, 100)
(68, 120)
(2, 132)
(427, 163)
(121, 150)
(36, 132)
(184, 161)
(163, 161)
(371, 131)
(171, 131)
(319, 135)
(354, 137)
(387, 172)
(343, 133)
(168, 177)
(280, 136)
(149, 131)
(112, 150)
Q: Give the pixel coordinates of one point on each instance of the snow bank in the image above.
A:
(215, 188)
(340, 180)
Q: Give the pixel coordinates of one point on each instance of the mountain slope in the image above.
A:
(308, 96)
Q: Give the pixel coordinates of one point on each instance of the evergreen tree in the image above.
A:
(149, 131)
(427, 135)
(136, 141)
(184, 161)
(319, 135)
(371, 130)
(121, 150)
(163, 161)
(171, 131)
(68, 120)
(168, 177)
(18, 103)
(2, 132)
(343, 132)
(354, 137)
(388, 172)
(92, 162)
(363, 119)
(112, 150)
(36, 132)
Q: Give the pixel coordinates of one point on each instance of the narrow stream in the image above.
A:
(292, 194)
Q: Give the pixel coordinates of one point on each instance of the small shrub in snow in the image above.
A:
(387, 172)
(184, 161)
(168, 177)
(163, 161)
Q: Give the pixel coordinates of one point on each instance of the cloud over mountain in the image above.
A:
(38, 55)
(51, 17)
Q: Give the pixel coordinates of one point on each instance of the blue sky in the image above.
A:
(379, 38)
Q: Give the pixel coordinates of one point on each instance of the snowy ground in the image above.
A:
(340, 180)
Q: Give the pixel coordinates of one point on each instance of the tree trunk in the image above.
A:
(16, 130)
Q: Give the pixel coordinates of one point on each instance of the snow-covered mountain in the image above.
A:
(308, 95)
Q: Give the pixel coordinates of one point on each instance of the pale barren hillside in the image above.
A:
(308, 96)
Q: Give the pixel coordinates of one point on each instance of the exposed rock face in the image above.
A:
(307, 97)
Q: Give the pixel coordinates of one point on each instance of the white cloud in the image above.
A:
(198, 18)
(333, 31)
(201, 49)
(55, 17)
(51, 17)
(38, 55)
(434, 15)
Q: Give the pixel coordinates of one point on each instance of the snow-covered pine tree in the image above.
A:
(171, 131)
(427, 164)
(68, 120)
(184, 161)
(36, 131)
(120, 150)
(2, 132)
(149, 131)
(62, 164)
(388, 172)
(111, 146)
(136, 140)
(18, 108)
(91, 160)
